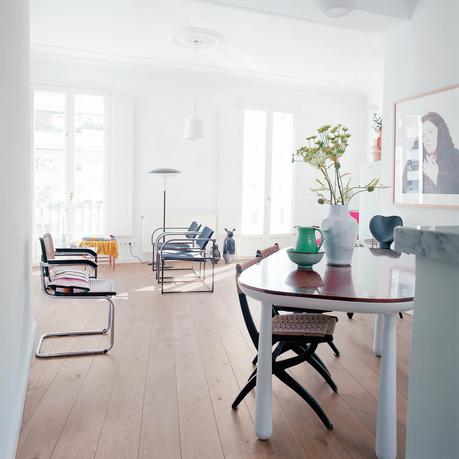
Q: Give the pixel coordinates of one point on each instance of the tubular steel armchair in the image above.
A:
(73, 284)
(195, 253)
(300, 333)
(67, 255)
(158, 237)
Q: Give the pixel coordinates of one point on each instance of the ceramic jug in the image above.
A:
(306, 240)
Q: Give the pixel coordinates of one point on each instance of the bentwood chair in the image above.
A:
(197, 253)
(158, 237)
(68, 255)
(300, 333)
(63, 281)
(279, 308)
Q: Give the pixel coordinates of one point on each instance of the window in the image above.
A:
(267, 172)
(69, 172)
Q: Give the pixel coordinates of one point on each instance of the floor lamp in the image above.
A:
(164, 173)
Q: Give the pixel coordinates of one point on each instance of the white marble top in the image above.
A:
(439, 242)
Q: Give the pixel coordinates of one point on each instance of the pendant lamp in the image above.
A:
(194, 126)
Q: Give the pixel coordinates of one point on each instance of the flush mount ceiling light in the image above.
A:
(190, 37)
(336, 8)
(197, 39)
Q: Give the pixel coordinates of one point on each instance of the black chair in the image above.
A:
(158, 237)
(196, 253)
(67, 255)
(97, 289)
(279, 308)
(300, 333)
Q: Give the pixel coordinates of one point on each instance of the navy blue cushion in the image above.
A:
(205, 235)
(184, 256)
(174, 245)
(192, 229)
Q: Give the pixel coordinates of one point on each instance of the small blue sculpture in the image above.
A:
(382, 228)
(229, 246)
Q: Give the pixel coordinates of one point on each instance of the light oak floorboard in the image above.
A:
(166, 388)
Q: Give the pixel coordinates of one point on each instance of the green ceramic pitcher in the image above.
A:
(306, 240)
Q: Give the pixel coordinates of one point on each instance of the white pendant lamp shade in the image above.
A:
(336, 8)
(196, 38)
(194, 127)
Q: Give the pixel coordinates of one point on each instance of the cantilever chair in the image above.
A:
(300, 333)
(63, 281)
(195, 253)
(158, 237)
(68, 255)
(278, 308)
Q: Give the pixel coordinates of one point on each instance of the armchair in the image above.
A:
(195, 253)
(190, 233)
(58, 282)
(67, 255)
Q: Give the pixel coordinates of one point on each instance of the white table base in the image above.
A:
(386, 434)
(378, 334)
(263, 395)
(386, 431)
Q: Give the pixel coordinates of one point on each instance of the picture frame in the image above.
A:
(426, 149)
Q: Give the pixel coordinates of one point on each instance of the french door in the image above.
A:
(267, 177)
(69, 163)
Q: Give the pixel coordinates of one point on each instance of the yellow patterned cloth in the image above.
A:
(102, 247)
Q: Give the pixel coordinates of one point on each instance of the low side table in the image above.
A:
(106, 248)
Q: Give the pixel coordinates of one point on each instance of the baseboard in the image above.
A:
(17, 420)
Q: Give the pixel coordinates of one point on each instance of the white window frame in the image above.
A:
(70, 92)
(269, 110)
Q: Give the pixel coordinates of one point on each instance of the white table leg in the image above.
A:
(378, 334)
(386, 432)
(263, 396)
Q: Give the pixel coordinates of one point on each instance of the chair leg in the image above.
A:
(305, 395)
(350, 315)
(251, 383)
(334, 348)
(301, 349)
(255, 360)
(109, 328)
(324, 373)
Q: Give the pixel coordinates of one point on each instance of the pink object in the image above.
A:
(355, 214)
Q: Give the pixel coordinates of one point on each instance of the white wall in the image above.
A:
(210, 184)
(16, 323)
(421, 55)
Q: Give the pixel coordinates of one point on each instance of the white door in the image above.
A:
(267, 179)
(69, 164)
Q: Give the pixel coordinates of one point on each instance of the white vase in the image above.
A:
(340, 233)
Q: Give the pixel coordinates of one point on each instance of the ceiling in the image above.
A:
(297, 45)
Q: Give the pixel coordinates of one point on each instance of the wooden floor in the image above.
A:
(165, 389)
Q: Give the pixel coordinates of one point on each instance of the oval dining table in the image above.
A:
(379, 282)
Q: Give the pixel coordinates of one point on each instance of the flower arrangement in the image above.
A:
(323, 152)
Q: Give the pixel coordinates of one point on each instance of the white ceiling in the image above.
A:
(267, 44)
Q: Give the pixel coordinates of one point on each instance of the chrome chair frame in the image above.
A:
(201, 257)
(187, 244)
(154, 243)
(44, 268)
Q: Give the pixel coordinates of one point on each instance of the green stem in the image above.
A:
(338, 179)
(327, 178)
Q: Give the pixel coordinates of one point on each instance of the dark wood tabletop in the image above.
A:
(376, 275)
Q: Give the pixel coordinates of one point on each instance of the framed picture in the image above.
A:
(426, 149)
